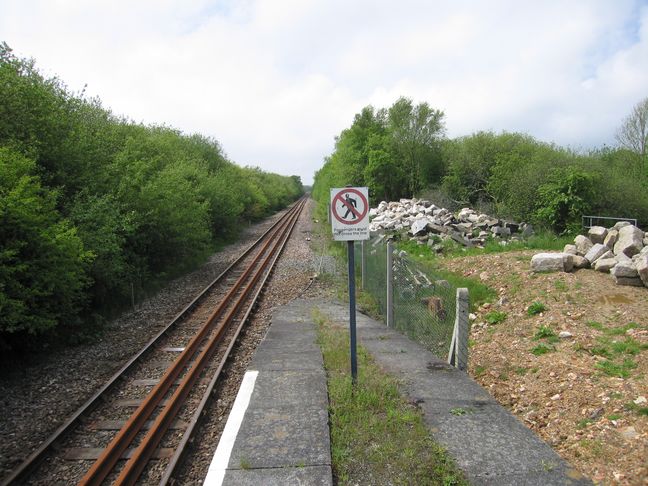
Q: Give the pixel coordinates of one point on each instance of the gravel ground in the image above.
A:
(590, 418)
(37, 396)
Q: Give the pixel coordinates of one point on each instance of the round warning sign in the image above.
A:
(350, 213)
(350, 206)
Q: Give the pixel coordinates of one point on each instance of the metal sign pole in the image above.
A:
(350, 222)
(352, 312)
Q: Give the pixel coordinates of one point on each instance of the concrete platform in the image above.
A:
(282, 435)
(487, 442)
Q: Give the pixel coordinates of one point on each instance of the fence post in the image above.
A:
(390, 283)
(458, 354)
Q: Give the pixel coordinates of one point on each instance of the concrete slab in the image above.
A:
(268, 359)
(290, 388)
(311, 475)
(282, 437)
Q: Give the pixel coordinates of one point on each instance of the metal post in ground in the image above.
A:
(352, 311)
(390, 284)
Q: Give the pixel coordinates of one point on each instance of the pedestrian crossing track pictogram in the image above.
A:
(350, 206)
(350, 213)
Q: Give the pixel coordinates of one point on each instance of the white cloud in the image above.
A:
(275, 80)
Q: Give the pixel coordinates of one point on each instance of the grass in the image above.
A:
(612, 331)
(539, 241)
(480, 370)
(581, 424)
(377, 437)
(536, 308)
(479, 292)
(546, 333)
(542, 348)
(638, 409)
(495, 317)
(611, 368)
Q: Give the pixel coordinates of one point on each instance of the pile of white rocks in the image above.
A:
(621, 250)
(421, 220)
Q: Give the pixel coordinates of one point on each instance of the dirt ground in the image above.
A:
(586, 395)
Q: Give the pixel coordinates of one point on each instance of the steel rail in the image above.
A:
(142, 454)
(33, 460)
(108, 459)
(198, 414)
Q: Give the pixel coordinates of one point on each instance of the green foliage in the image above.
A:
(42, 259)
(536, 308)
(395, 152)
(495, 317)
(565, 198)
(93, 205)
(546, 333)
(611, 368)
(542, 348)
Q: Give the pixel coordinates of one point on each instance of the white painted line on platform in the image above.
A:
(218, 466)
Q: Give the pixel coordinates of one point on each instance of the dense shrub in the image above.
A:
(42, 259)
(93, 206)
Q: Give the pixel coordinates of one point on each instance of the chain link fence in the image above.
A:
(425, 306)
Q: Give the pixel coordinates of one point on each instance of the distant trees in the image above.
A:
(93, 206)
(401, 152)
(396, 152)
(633, 133)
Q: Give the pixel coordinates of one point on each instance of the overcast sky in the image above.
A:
(276, 80)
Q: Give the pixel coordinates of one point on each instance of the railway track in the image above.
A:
(136, 428)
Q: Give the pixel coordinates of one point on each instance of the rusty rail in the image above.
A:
(21, 472)
(136, 464)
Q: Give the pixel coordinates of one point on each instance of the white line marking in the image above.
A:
(218, 466)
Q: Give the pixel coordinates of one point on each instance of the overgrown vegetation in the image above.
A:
(95, 208)
(376, 436)
(402, 152)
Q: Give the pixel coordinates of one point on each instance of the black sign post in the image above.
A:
(350, 223)
(352, 311)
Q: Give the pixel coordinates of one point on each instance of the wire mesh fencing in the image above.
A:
(423, 305)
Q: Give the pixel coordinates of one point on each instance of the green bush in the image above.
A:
(42, 259)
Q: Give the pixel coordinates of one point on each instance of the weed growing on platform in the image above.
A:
(377, 437)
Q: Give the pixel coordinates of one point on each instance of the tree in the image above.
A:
(565, 198)
(416, 132)
(42, 260)
(633, 133)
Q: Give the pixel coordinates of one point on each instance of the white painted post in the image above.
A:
(390, 284)
(458, 354)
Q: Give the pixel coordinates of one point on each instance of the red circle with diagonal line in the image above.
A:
(359, 215)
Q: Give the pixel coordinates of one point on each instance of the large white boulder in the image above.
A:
(597, 234)
(611, 238)
(641, 264)
(419, 227)
(604, 264)
(596, 252)
(552, 262)
(630, 240)
(624, 269)
(583, 244)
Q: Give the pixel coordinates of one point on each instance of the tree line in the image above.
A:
(402, 151)
(94, 207)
